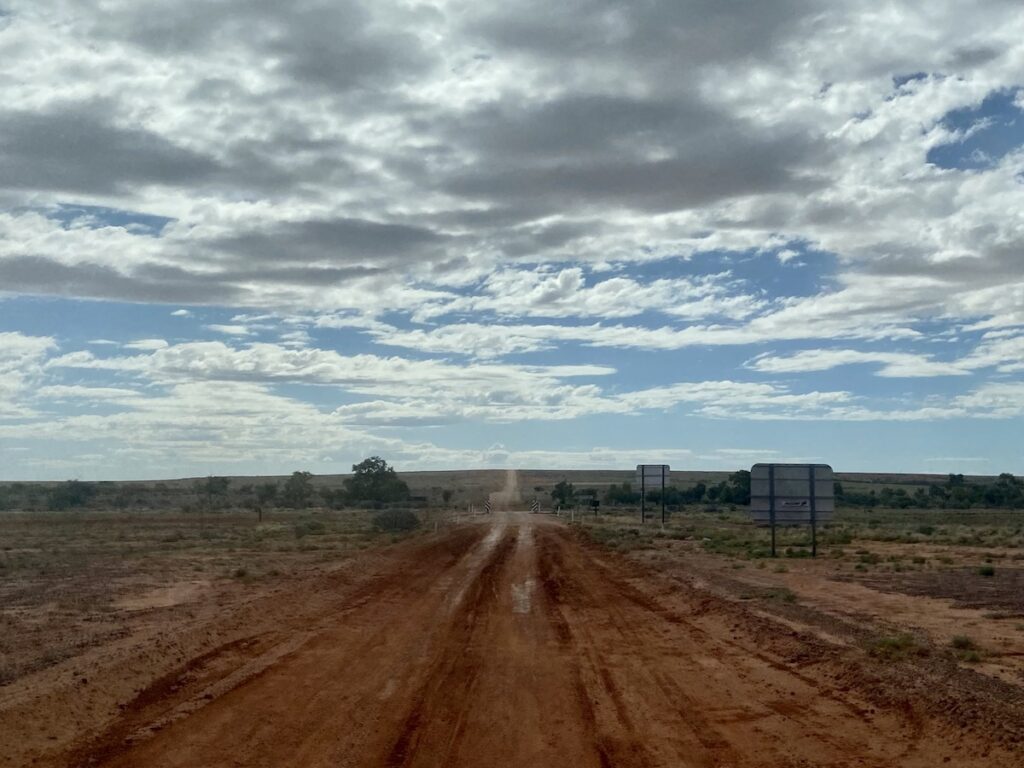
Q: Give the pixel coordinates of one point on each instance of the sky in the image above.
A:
(258, 237)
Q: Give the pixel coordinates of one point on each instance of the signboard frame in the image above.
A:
(658, 472)
(802, 487)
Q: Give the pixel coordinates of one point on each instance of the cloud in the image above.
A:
(1001, 400)
(894, 364)
(431, 146)
(73, 148)
(21, 365)
(332, 242)
(453, 189)
(566, 293)
(146, 345)
(999, 350)
(75, 392)
(229, 330)
(400, 391)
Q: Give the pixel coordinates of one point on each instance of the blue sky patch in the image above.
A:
(995, 127)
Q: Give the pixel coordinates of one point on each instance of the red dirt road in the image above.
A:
(515, 643)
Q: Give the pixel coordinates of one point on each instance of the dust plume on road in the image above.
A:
(508, 497)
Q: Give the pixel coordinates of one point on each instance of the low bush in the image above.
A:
(396, 520)
(895, 647)
(309, 528)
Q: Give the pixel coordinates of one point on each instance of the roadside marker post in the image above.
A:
(487, 507)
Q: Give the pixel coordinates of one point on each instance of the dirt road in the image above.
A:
(508, 497)
(512, 642)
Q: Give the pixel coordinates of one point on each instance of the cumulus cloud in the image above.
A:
(436, 143)
(470, 182)
(1002, 351)
(146, 344)
(229, 329)
(21, 364)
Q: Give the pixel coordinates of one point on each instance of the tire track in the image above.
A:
(432, 730)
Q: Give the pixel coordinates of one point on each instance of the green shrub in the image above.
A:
(962, 643)
(309, 528)
(895, 647)
(987, 570)
(396, 520)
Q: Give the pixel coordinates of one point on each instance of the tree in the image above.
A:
(266, 494)
(563, 494)
(735, 490)
(298, 490)
(71, 494)
(446, 496)
(258, 497)
(211, 487)
(373, 480)
(624, 494)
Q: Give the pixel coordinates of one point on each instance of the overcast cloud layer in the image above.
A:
(424, 229)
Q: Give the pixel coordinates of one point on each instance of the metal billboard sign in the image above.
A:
(649, 477)
(792, 494)
(652, 474)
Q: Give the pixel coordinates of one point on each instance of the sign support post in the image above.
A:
(657, 473)
(643, 497)
(662, 495)
(814, 517)
(771, 502)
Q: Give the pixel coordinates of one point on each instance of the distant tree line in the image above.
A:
(1007, 492)
(734, 490)
(373, 484)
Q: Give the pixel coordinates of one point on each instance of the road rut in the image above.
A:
(513, 642)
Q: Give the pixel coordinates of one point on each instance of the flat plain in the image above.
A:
(152, 637)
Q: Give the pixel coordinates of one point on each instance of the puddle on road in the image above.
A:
(388, 691)
(162, 597)
(522, 596)
(474, 562)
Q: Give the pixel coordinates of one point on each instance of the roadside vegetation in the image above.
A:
(373, 484)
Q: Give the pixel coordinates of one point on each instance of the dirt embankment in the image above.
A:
(510, 642)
